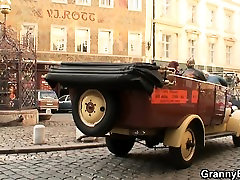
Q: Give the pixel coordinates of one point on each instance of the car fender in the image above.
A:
(227, 115)
(174, 136)
(234, 122)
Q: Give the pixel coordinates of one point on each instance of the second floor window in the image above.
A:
(192, 48)
(83, 2)
(228, 54)
(58, 38)
(82, 40)
(135, 5)
(228, 19)
(106, 3)
(211, 18)
(28, 35)
(211, 52)
(166, 39)
(193, 13)
(166, 4)
(105, 42)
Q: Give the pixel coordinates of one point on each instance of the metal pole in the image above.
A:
(4, 27)
(154, 29)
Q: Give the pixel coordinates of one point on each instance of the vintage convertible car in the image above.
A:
(144, 101)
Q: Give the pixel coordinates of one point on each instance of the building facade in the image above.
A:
(80, 30)
(207, 30)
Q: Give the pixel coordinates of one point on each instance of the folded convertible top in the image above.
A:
(106, 75)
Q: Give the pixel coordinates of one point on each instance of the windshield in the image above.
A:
(47, 95)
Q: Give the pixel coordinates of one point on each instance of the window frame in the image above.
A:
(60, 1)
(131, 8)
(88, 39)
(35, 33)
(164, 45)
(65, 38)
(111, 40)
(166, 7)
(106, 6)
(212, 17)
(212, 49)
(228, 53)
(83, 4)
(229, 16)
(192, 48)
(129, 44)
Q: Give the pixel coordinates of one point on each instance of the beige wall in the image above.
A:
(178, 23)
(45, 13)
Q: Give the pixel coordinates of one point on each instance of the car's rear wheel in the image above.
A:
(120, 145)
(183, 156)
(94, 112)
(236, 141)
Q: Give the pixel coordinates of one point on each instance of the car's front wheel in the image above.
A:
(184, 155)
(94, 112)
(120, 145)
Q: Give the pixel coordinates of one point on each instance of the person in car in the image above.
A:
(215, 79)
(192, 72)
(175, 66)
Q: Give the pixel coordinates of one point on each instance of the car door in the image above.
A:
(206, 102)
(220, 105)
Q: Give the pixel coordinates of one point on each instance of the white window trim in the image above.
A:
(228, 54)
(83, 4)
(192, 17)
(59, 1)
(88, 41)
(164, 6)
(211, 58)
(65, 37)
(36, 35)
(230, 15)
(134, 32)
(190, 47)
(132, 9)
(211, 24)
(112, 4)
(164, 43)
(110, 30)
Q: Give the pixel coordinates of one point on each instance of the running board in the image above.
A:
(219, 135)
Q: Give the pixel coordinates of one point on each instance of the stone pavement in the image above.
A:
(60, 134)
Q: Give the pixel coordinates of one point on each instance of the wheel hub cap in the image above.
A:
(188, 145)
(92, 107)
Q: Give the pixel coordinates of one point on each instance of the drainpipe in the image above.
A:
(154, 48)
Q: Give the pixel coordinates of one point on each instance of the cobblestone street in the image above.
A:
(98, 163)
(59, 130)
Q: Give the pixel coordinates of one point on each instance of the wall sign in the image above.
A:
(75, 15)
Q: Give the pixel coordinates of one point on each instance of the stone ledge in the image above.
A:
(19, 117)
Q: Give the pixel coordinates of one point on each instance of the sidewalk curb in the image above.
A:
(48, 148)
